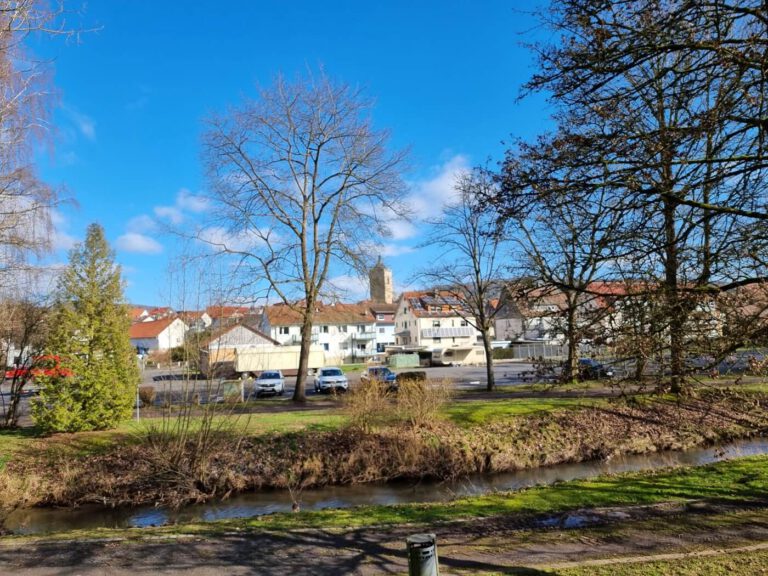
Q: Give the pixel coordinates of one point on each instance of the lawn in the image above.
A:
(477, 412)
(742, 480)
(462, 413)
(744, 563)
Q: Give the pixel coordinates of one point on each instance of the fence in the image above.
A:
(538, 349)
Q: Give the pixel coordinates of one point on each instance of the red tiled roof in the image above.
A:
(149, 329)
(221, 311)
(434, 304)
(136, 313)
(283, 315)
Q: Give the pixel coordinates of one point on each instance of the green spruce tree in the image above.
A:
(94, 386)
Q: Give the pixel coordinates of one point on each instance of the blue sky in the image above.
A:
(132, 96)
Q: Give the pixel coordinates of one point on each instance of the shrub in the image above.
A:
(503, 353)
(147, 395)
(416, 402)
(369, 405)
(413, 376)
(419, 402)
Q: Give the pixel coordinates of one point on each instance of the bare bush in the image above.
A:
(419, 402)
(147, 395)
(369, 405)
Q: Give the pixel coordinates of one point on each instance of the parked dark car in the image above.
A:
(745, 361)
(591, 369)
(381, 374)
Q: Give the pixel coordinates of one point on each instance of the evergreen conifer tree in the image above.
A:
(93, 386)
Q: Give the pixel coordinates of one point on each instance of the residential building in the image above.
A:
(160, 334)
(197, 320)
(438, 322)
(384, 324)
(222, 347)
(344, 331)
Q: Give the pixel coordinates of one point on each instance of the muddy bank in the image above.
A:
(168, 472)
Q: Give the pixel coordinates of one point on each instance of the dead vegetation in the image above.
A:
(393, 447)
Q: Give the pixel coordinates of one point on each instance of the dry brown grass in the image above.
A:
(372, 406)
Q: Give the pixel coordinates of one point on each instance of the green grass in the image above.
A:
(352, 367)
(476, 412)
(748, 563)
(12, 442)
(739, 480)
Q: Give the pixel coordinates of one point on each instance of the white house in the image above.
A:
(160, 334)
(437, 322)
(346, 332)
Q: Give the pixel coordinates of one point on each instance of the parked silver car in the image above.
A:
(269, 382)
(330, 379)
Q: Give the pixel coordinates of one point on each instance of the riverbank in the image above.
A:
(470, 438)
(609, 525)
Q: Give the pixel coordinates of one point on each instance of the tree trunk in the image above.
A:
(299, 394)
(571, 368)
(491, 381)
(672, 296)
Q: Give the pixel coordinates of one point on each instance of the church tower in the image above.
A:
(380, 278)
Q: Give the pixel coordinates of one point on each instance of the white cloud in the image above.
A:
(170, 213)
(84, 123)
(141, 224)
(60, 238)
(186, 202)
(347, 287)
(402, 229)
(189, 202)
(63, 241)
(139, 243)
(394, 250)
(428, 196)
(219, 238)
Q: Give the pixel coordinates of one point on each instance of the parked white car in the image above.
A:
(330, 379)
(269, 382)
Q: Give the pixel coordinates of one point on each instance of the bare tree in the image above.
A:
(302, 185)
(24, 328)
(25, 201)
(566, 232)
(469, 269)
(660, 105)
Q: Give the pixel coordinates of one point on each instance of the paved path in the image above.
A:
(507, 545)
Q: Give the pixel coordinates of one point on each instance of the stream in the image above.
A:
(45, 520)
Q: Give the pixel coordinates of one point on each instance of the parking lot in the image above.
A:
(172, 381)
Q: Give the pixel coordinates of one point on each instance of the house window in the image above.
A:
(437, 339)
(360, 328)
(325, 329)
(381, 330)
(361, 347)
(463, 322)
(326, 347)
(343, 329)
(435, 323)
(379, 316)
(284, 329)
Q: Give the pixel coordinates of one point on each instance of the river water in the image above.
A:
(43, 520)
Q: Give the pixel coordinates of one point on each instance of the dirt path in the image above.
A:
(504, 544)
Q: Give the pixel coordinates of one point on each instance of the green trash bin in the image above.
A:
(422, 555)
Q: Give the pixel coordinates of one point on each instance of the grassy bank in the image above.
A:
(267, 451)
